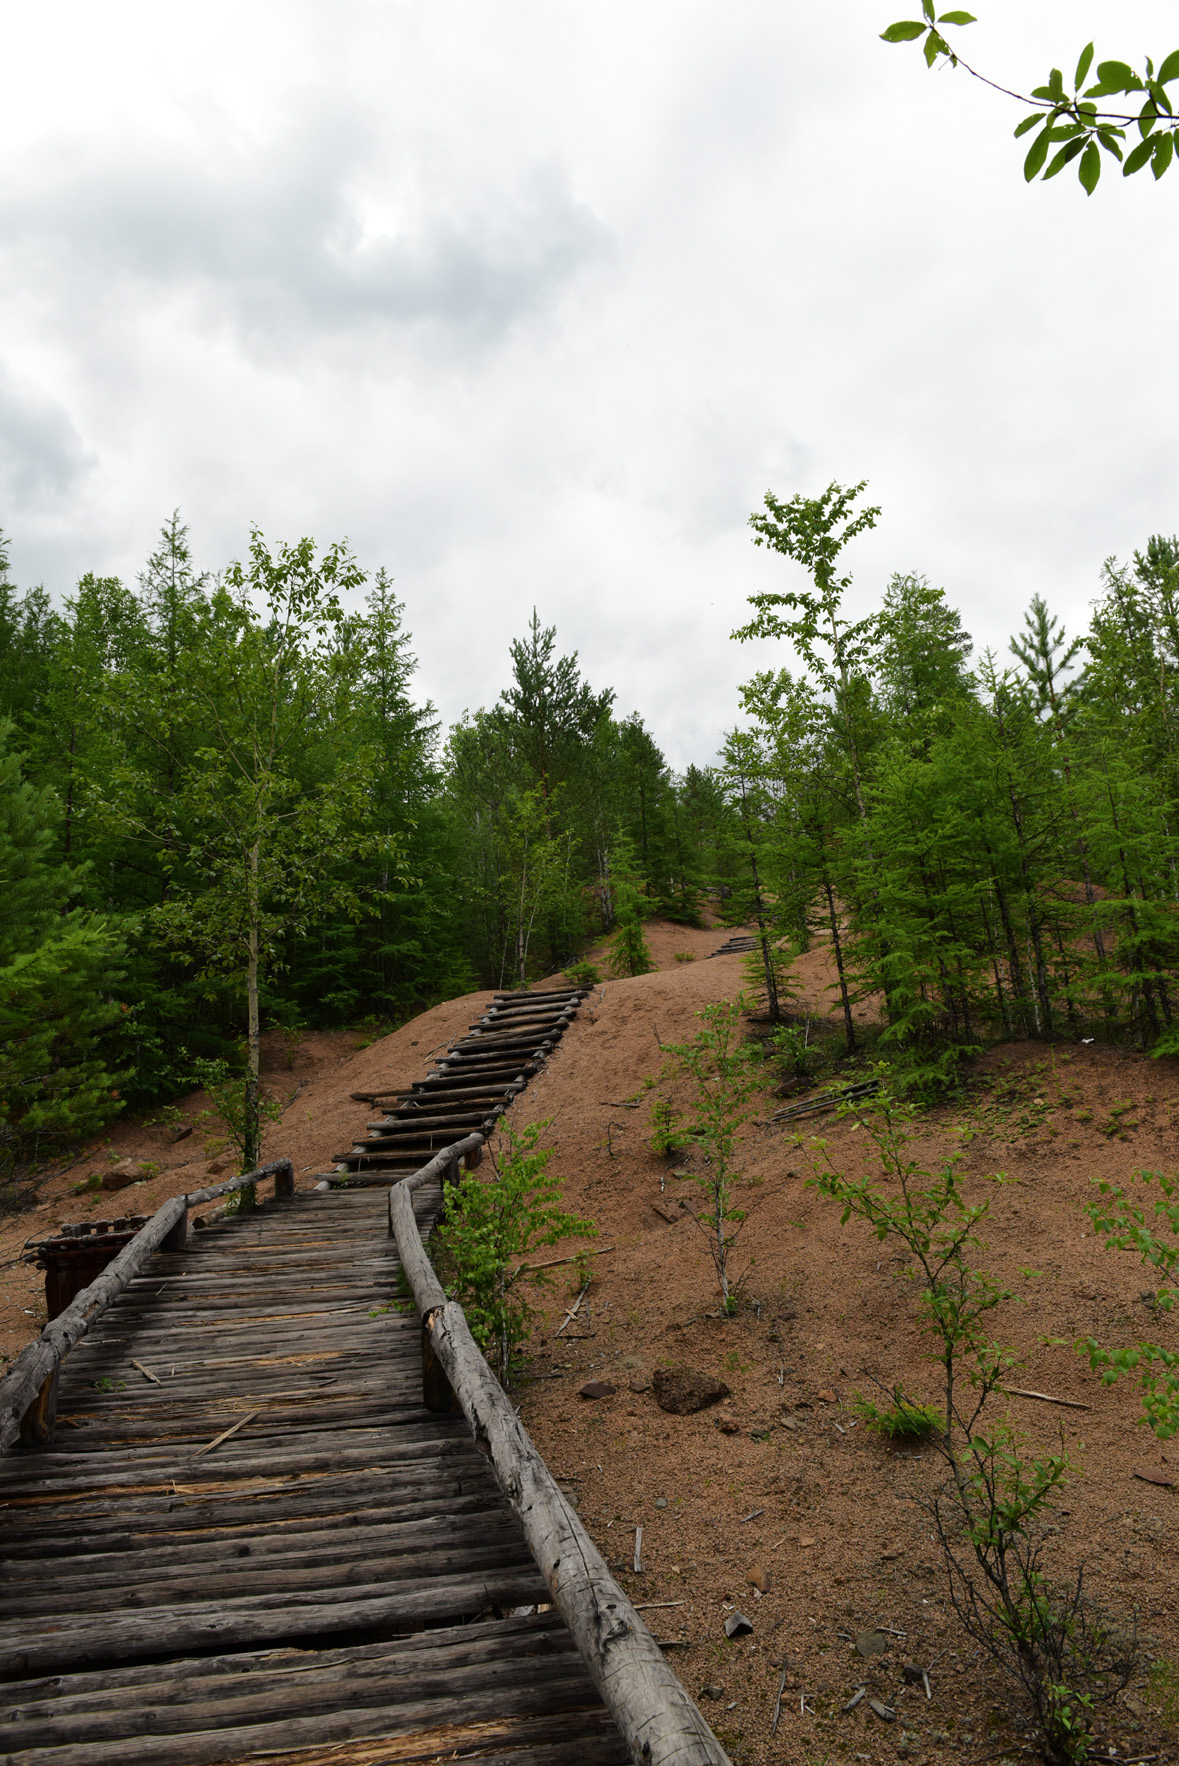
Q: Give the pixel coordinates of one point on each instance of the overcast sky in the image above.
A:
(533, 300)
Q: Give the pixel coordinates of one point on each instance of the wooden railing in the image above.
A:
(660, 1723)
(28, 1389)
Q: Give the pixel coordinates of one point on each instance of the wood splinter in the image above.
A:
(226, 1433)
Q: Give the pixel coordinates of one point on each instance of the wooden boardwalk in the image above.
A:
(333, 1581)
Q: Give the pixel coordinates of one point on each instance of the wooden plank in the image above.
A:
(422, 1736)
(104, 1637)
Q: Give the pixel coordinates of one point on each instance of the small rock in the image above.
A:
(640, 1385)
(737, 1625)
(728, 1425)
(180, 1131)
(712, 1692)
(682, 1390)
(758, 1577)
(597, 1389)
(125, 1173)
(827, 1397)
(661, 1502)
(806, 1541)
(889, 1716)
(1148, 1475)
(871, 1643)
(914, 1676)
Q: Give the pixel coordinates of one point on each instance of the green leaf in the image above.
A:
(1089, 169)
(957, 18)
(1029, 122)
(927, 9)
(1138, 156)
(1083, 66)
(935, 46)
(1056, 83)
(1169, 69)
(1038, 154)
(1164, 148)
(1109, 139)
(1116, 76)
(1063, 158)
(903, 32)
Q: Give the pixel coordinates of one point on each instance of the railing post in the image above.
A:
(437, 1391)
(177, 1239)
(36, 1426)
(284, 1180)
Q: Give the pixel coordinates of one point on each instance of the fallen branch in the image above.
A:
(574, 1309)
(1044, 1398)
(778, 1700)
(146, 1372)
(226, 1433)
(655, 1606)
(554, 1261)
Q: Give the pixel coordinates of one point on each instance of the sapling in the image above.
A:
(722, 1072)
(988, 1513)
(1123, 1220)
(490, 1228)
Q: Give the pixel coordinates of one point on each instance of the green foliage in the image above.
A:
(489, 1229)
(722, 1077)
(1123, 1219)
(630, 953)
(1073, 123)
(242, 1120)
(1047, 1637)
(582, 974)
(666, 1135)
(59, 966)
(905, 1419)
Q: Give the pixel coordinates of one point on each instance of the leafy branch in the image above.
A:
(1072, 123)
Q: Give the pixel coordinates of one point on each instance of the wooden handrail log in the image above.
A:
(659, 1721)
(22, 1384)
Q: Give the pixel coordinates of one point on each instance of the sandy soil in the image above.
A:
(825, 1512)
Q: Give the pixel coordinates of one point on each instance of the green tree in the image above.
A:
(269, 796)
(59, 968)
(721, 1071)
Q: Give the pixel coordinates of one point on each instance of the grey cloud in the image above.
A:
(274, 240)
(42, 457)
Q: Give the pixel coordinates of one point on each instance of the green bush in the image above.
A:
(582, 974)
(905, 1419)
(489, 1229)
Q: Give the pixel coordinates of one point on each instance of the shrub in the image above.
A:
(905, 1419)
(582, 974)
(489, 1229)
(1065, 1656)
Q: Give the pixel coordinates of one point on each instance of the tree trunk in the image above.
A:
(251, 1138)
(849, 1026)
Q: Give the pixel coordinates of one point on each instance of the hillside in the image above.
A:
(780, 1482)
